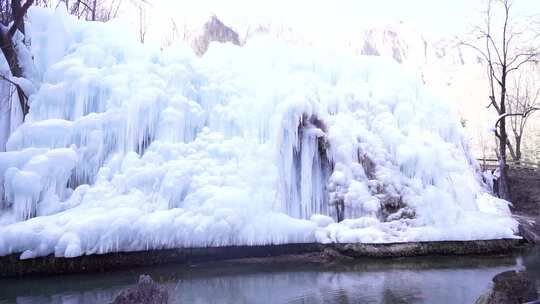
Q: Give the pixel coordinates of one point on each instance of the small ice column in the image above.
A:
(43, 176)
(313, 176)
(304, 169)
(142, 121)
(23, 188)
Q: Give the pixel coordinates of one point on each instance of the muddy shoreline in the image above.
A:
(12, 266)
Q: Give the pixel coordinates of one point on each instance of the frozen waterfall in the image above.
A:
(130, 148)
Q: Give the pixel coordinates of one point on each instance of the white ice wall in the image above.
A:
(130, 148)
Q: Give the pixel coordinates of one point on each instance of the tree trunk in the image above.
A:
(8, 49)
(503, 167)
(518, 148)
(94, 6)
(18, 15)
(511, 149)
(504, 191)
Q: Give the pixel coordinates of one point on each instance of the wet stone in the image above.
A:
(146, 292)
(511, 287)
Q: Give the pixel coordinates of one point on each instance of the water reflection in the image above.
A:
(401, 286)
(413, 280)
(531, 263)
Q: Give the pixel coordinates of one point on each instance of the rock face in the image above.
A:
(387, 42)
(406, 45)
(146, 292)
(525, 191)
(525, 197)
(214, 30)
(529, 228)
(510, 287)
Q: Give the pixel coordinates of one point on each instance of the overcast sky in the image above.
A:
(431, 17)
(437, 15)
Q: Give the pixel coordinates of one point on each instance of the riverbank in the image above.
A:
(12, 266)
(285, 279)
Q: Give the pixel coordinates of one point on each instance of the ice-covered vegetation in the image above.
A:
(130, 148)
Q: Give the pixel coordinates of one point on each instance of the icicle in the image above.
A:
(242, 146)
(304, 168)
(23, 188)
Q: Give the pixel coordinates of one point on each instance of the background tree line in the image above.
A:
(509, 48)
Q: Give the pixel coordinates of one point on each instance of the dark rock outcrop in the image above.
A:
(525, 191)
(510, 287)
(214, 30)
(146, 292)
(392, 44)
(525, 197)
(529, 228)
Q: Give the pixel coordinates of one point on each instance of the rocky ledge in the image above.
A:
(11, 265)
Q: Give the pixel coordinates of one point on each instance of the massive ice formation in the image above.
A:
(129, 148)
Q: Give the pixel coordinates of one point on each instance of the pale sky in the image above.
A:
(431, 17)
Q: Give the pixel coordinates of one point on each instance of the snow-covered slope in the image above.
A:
(127, 148)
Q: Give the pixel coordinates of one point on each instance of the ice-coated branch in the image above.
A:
(15, 84)
(524, 115)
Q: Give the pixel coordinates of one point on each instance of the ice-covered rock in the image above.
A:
(131, 148)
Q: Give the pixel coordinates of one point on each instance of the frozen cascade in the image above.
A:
(305, 168)
(128, 148)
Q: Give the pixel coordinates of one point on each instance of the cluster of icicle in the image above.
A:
(127, 148)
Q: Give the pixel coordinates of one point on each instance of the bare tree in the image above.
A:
(523, 101)
(43, 3)
(501, 47)
(143, 22)
(93, 10)
(171, 36)
(13, 13)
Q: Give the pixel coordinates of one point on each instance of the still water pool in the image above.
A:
(404, 280)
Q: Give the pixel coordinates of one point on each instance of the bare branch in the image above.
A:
(482, 53)
(524, 114)
(528, 58)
